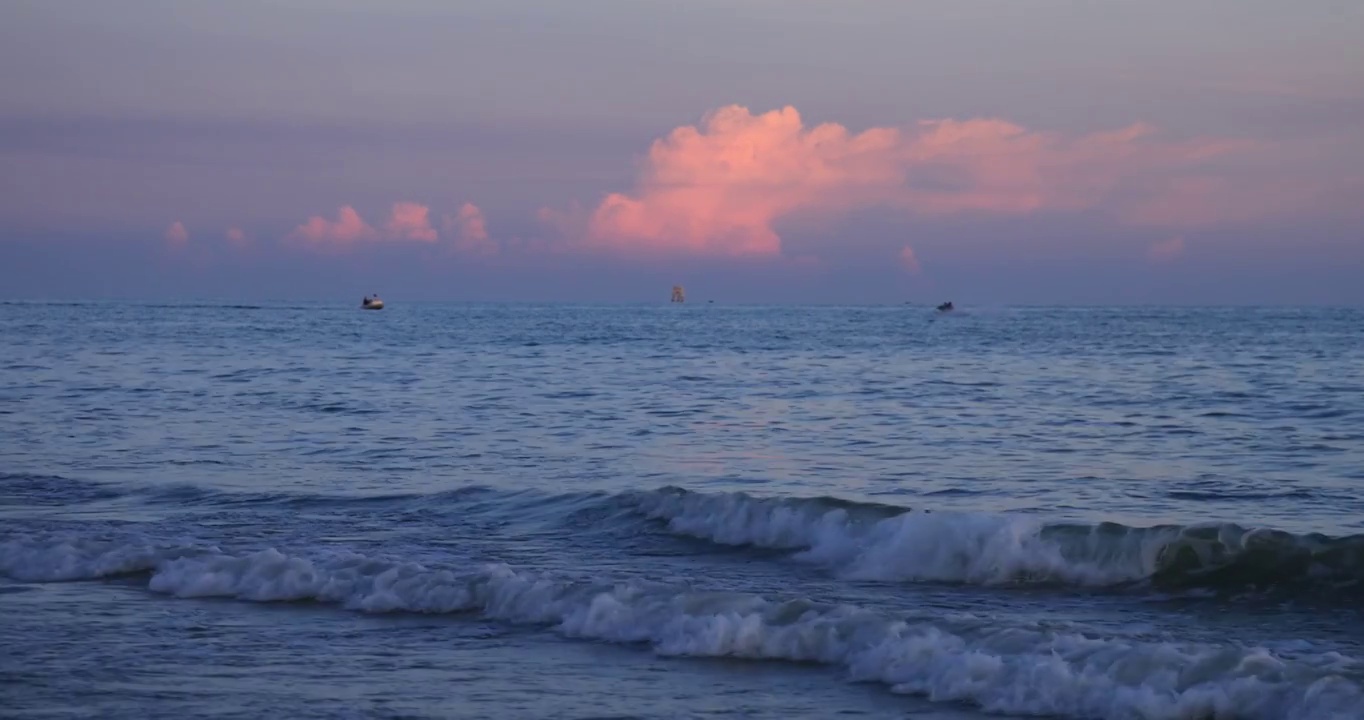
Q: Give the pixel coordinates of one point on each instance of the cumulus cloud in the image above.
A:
(909, 260)
(410, 221)
(407, 221)
(176, 235)
(470, 231)
(235, 236)
(346, 229)
(1166, 250)
(1251, 195)
(719, 188)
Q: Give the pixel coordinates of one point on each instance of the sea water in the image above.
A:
(680, 511)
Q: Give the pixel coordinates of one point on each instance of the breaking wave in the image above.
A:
(887, 543)
(1021, 668)
(851, 540)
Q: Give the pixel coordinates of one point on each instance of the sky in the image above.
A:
(755, 151)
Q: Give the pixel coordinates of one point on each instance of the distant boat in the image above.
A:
(372, 303)
(679, 295)
(946, 307)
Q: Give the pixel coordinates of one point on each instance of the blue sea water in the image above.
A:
(680, 511)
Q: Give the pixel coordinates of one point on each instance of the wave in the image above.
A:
(887, 543)
(1008, 668)
(852, 540)
(29, 490)
(33, 490)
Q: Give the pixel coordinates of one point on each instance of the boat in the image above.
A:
(372, 303)
(946, 307)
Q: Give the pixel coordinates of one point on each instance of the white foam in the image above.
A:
(947, 546)
(1009, 668)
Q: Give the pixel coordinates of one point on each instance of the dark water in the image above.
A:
(680, 511)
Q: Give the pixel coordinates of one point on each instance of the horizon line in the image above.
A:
(240, 302)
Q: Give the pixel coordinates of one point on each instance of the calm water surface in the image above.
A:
(696, 511)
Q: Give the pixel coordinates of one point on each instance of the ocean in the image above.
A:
(306, 510)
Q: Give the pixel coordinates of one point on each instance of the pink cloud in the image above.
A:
(1205, 200)
(720, 188)
(909, 260)
(1166, 250)
(347, 229)
(407, 221)
(470, 230)
(410, 221)
(236, 237)
(176, 235)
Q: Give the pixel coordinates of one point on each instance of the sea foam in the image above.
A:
(1011, 667)
(877, 542)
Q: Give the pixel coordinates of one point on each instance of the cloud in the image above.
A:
(1166, 250)
(1208, 200)
(909, 260)
(470, 231)
(720, 189)
(407, 221)
(410, 221)
(176, 235)
(236, 237)
(348, 228)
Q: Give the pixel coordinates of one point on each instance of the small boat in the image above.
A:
(946, 307)
(372, 303)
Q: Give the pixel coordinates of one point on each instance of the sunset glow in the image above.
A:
(780, 179)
